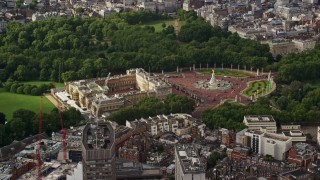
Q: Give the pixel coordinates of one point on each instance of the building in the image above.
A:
(269, 143)
(264, 123)
(109, 94)
(227, 137)
(188, 163)
(125, 170)
(238, 153)
(179, 123)
(98, 151)
(318, 135)
(302, 154)
(298, 174)
(281, 47)
(302, 45)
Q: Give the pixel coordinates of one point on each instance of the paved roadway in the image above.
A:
(211, 98)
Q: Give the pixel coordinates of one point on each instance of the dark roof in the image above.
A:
(15, 147)
(299, 172)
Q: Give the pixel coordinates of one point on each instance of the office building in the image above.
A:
(269, 143)
(263, 123)
(188, 163)
(98, 151)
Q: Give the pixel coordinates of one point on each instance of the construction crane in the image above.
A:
(38, 155)
(63, 130)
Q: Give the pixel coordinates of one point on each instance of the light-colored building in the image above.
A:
(98, 151)
(112, 93)
(11, 3)
(188, 163)
(302, 45)
(77, 173)
(264, 123)
(149, 5)
(318, 135)
(281, 47)
(293, 131)
(269, 144)
(180, 124)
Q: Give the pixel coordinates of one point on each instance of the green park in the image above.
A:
(229, 73)
(159, 25)
(261, 87)
(11, 102)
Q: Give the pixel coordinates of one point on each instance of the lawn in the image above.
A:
(158, 24)
(228, 73)
(37, 83)
(9, 102)
(256, 86)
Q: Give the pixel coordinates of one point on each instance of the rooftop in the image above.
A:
(276, 137)
(189, 159)
(260, 118)
(98, 135)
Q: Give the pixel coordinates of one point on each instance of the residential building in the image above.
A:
(227, 137)
(302, 154)
(188, 163)
(264, 122)
(98, 151)
(179, 124)
(238, 153)
(298, 174)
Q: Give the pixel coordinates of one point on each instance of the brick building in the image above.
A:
(302, 154)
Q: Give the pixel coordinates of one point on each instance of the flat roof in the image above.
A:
(259, 118)
(189, 159)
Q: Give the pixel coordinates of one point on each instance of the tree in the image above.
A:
(268, 157)
(72, 117)
(309, 136)
(14, 87)
(35, 91)
(179, 104)
(79, 10)
(3, 135)
(27, 89)
(19, 3)
(22, 73)
(69, 76)
(44, 74)
(26, 116)
(18, 127)
(3, 119)
(163, 25)
(20, 90)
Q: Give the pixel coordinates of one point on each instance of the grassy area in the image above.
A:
(37, 83)
(11, 102)
(257, 86)
(158, 24)
(229, 73)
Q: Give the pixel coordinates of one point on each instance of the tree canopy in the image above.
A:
(66, 49)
